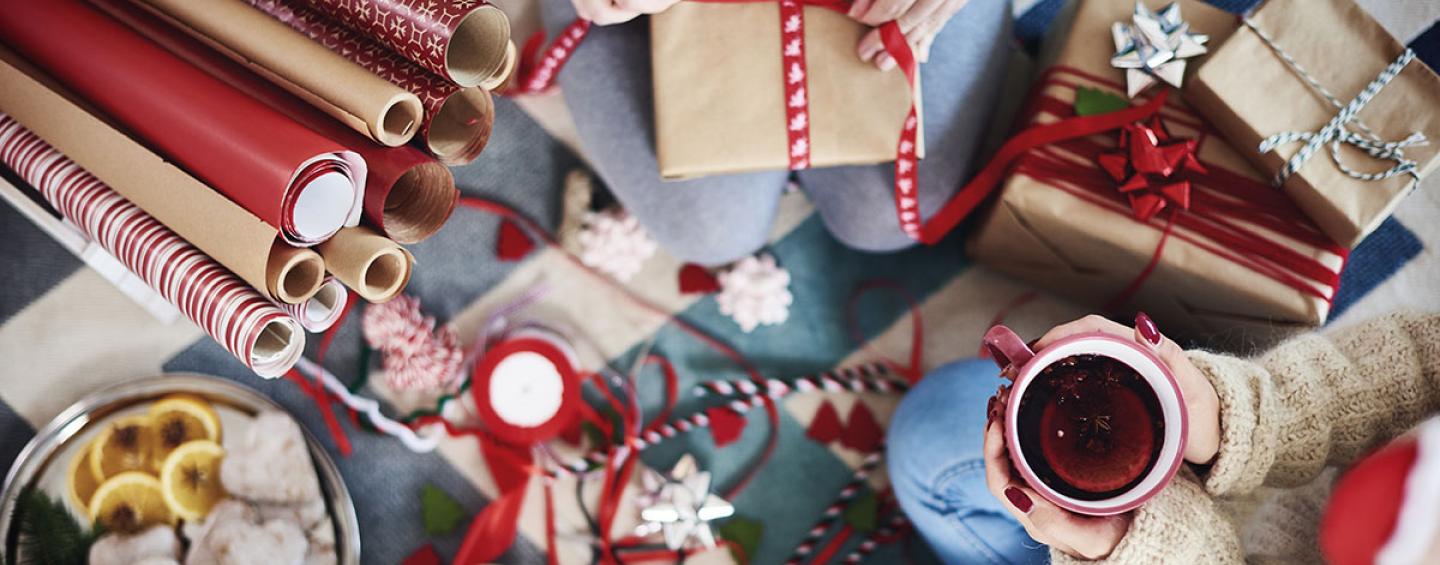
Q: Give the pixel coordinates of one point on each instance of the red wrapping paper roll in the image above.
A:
(241, 320)
(457, 120)
(292, 178)
(408, 195)
(463, 41)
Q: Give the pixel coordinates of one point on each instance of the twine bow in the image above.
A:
(1336, 132)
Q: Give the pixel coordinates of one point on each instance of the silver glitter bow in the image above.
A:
(1155, 47)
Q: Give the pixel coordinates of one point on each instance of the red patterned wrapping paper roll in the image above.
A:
(463, 41)
(457, 120)
(241, 320)
(408, 195)
(290, 177)
(320, 312)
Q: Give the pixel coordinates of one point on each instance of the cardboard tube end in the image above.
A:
(385, 276)
(398, 121)
(477, 47)
(295, 274)
(277, 347)
(420, 202)
(502, 76)
(461, 127)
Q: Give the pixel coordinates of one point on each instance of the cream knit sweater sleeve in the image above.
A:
(1311, 402)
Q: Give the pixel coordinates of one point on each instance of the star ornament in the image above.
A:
(1155, 47)
(682, 506)
(1150, 167)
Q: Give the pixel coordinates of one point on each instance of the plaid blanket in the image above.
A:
(65, 331)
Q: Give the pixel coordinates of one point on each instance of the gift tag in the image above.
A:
(526, 388)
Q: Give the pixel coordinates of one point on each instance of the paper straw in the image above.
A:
(321, 311)
(241, 320)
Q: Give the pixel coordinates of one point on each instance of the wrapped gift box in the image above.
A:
(1061, 222)
(720, 94)
(1250, 93)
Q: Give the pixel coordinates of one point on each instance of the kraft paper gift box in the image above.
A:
(720, 93)
(1250, 93)
(1049, 229)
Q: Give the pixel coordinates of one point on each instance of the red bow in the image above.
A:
(1150, 167)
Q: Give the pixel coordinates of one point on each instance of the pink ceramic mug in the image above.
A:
(1009, 350)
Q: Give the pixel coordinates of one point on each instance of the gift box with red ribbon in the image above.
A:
(1158, 214)
(752, 85)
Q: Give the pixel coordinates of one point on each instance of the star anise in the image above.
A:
(193, 477)
(1094, 432)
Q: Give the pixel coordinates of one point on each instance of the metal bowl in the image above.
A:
(53, 440)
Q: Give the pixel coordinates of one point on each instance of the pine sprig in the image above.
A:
(48, 533)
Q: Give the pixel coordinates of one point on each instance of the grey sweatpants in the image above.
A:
(718, 219)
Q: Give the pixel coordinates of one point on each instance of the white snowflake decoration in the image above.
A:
(614, 243)
(755, 292)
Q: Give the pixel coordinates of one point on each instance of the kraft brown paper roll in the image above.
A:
(237, 239)
(362, 101)
(372, 265)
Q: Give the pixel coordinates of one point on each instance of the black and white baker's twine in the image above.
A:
(1336, 132)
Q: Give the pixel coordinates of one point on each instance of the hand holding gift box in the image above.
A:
(1319, 95)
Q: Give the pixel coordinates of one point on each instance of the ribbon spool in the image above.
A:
(527, 387)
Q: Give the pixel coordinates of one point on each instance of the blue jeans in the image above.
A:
(937, 469)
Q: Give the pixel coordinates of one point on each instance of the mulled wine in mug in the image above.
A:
(1095, 423)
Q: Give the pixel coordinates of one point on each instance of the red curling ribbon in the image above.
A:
(520, 434)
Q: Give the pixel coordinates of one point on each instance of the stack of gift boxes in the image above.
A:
(1271, 144)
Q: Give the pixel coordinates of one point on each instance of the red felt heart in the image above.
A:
(514, 244)
(825, 428)
(695, 279)
(423, 556)
(726, 425)
(863, 434)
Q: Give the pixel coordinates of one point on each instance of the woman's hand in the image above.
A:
(920, 20)
(1086, 537)
(606, 12)
(1201, 404)
(1091, 537)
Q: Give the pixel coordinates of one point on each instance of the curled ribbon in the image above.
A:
(1336, 132)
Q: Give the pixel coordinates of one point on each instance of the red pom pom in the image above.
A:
(514, 244)
(726, 425)
(864, 433)
(695, 279)
(825, 428)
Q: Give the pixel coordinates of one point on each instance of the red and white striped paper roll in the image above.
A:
(319, 312)
(240, 319)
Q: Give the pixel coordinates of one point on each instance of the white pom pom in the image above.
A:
(755, 292)
(613, 242)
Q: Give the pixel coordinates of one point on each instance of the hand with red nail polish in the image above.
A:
(1201, 403)
(1085, 537)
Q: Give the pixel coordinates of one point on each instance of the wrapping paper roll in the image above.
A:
(460, 40)
(321, 311)
(372, 265)
(408, 195)
(222, 229)
(362, 101)
(243, 321)
(457, 120)
(294, 179)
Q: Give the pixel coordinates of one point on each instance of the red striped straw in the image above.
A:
(245, 323)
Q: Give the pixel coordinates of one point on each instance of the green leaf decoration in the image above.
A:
(49, 534)
(863, 513)
(745, 534)
(1092, 102)
(440, 513)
